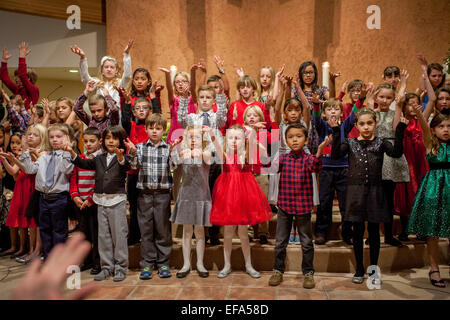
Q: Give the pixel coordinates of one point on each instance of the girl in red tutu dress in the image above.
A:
(237, 198)
(414, 151)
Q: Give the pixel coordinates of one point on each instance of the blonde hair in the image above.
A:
(241, 152)
(272, 81)
(42, 134)
(64, 128)
(185, 142)
(101, 78)
(184, 75)
(331, 103)
(257, 110)
(66, 100)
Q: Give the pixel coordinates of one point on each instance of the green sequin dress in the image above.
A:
(430, 214)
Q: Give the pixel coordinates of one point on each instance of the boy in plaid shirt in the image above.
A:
(295, 198)
(153, 160)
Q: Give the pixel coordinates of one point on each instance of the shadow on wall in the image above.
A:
(327, 15)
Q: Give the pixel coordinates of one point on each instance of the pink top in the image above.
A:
(176, 130)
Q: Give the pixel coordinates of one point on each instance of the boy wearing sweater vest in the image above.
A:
(82, 185)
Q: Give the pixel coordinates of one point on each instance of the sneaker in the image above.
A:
(146, 274)
(309, 283)
(120, 275)
(297, 239)
(358, 279)
(102, 275)
(393, 242)
(95, 270)
(276, 278)
(291, 239)
(164, 272)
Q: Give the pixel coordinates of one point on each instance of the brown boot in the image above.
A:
(276, 278)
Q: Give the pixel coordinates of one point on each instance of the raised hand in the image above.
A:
(119, 153)
(219, 62)
(90, 87)
(159, 88)
(152, 91)
(422, 96)
(344, 86)
(202, 65)
(334, 75)
(7, 126)
(128, 46)
(77, 50)
(270, 101)
(24, 50)
(123, 94)
(280, 72)
(239, 71)
(423, 62)
(366, 90)
(333, 121)
(326, 142)
(185, 90)
(175, 143)
(5, 97)
(315, 98)
(130, 145)
(6, 55)
(404, 120)
(165, 70)
(404, 75)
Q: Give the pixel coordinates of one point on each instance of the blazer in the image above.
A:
(108, 179)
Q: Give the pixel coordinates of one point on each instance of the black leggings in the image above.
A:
(389, 189)
(358, 244)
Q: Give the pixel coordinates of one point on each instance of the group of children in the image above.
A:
(285, 146)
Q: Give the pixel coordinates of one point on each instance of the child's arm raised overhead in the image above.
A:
(78, 105)
(126, 77)
(168, 85)
(398, 110)
(276, 85)
(426, 132)
(332, 88)
(46, 109)
(319, 123)
(279, 100)
(343, 90)
(431, 96)
(226, 84)
(4, 75)
(404, 75)
(202, 66)
(156, 106)
(306, 115)
(32, 90)
(182, 113)
(424, 66)
(84, 69)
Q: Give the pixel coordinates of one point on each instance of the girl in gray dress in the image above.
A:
(193, 203)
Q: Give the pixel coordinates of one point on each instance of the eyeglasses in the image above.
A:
(141, 108)
(181, 81)
(308, 73)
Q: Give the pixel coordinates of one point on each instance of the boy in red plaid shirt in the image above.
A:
(295, 199)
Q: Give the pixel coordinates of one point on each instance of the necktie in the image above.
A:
(206, 119)
(49, 175)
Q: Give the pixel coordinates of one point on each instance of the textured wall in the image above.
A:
(253, 33)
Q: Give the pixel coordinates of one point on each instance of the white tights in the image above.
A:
(228, 237)
(186, 244)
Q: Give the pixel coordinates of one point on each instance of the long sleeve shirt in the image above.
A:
(28, 91)
(126, 77)
(112, 118)
(19, 121)
(62, 172)
(82, 181)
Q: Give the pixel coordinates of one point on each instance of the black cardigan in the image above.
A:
(108, 179)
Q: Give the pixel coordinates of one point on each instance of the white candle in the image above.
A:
(173, 71)
(325, 73)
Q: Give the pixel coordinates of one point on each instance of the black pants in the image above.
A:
(214, 172)
(132, 196)
(331, 179)
(358, 244)
(389, 188)
(89, 226)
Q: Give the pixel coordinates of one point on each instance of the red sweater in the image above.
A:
(28, 91)
(137, 135)
(82, 182)
(240, 108)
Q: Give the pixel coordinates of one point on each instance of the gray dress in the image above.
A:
(193, 204)
(395, 169)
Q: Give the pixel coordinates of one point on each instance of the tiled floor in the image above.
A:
(407, 284)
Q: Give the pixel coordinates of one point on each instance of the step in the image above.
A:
(335, 256)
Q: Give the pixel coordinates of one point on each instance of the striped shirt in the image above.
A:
(153, 163)
(82, 182)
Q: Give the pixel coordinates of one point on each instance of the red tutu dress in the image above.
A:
(414, 150)
(23, 190)
(237, 197)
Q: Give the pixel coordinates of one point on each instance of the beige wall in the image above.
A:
(253, 33)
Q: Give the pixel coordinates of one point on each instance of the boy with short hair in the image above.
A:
(295, 199)
(153, 160)
(82, 185)
(99, 106)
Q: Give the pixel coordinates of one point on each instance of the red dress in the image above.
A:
(237, 197)
(23, 190)
(415, 152)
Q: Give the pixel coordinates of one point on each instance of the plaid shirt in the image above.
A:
(295, 194)
(154, 164)
(111, 119)
(18, 121)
